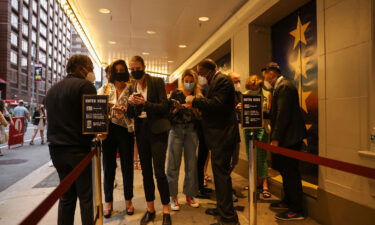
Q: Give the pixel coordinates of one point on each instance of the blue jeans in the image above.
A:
(183, 138)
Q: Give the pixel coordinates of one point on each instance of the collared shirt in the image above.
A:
(144, 94)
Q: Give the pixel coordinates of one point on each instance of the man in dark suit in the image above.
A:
(221, 134)
(148, 105)
(67, 145)
(287, 130)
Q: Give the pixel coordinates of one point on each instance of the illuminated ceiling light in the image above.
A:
(104, 11)
(112, 42)
(151, 32)
(170, 61)
(145, 53)
(182, 46)
(203, 19)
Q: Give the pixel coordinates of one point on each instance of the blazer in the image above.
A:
(287, 125)
(156, 106)
(219, 122)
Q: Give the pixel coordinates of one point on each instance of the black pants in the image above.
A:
(65, 159)
(118, 140)
(202, 158)
(152, 149)
(292, 184)
(220, 160)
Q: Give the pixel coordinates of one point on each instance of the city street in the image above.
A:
(19, 161)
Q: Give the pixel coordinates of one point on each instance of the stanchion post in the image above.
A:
(252, 181)
(98, 184)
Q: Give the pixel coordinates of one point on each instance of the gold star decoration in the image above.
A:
(304, 96)
(299, 33)
(299, 65)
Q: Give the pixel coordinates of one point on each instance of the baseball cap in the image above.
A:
(273, 66)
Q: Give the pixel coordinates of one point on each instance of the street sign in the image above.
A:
(38, 72)
(95, 114)
(17, 131)
(252, 111)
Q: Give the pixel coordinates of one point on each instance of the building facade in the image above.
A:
(33, 33)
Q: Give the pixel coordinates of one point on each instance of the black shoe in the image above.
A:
(167, 219)
(202, 195)
(206, 190)
(279, 206)
(148, 217)
(212, 212)
(289, 215)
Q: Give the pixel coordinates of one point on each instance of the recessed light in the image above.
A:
(112, 42)
(203, 18)
(104, 11)
(145, 53)
(170, 61)
(182, 46)
(151, 32)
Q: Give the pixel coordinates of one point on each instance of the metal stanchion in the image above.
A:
(252, 181)
(98, 185)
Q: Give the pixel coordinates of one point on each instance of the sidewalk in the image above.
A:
(17, 201)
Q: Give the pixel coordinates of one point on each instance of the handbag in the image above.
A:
(3, 136)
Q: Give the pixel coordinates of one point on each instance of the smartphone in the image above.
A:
(137, 94)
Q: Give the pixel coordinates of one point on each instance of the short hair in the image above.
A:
(137, 58)
(208, 64)
(113, 70)
(272, 66)
(75, 61)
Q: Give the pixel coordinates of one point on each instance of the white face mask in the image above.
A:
(267, 85)
(237, 87)
(91, 77)
(202, 80)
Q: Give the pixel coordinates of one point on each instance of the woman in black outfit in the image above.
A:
(120, 139)
(39, 121)
(148, 104)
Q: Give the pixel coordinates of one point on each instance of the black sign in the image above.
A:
(95, 114)
(252, 111)
(38, 72)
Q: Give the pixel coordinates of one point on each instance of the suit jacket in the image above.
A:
(156, 106)
(287, 125)
(219, 122)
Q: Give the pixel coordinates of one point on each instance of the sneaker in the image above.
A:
(175, 206)
(50, 164)
(190, 201)
(279, 205)
(289, 215)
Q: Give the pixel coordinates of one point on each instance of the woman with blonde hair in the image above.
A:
(183, 138)
(254, 85)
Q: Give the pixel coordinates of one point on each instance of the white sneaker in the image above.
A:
(175, 206)
(191, 201)
(50, 164)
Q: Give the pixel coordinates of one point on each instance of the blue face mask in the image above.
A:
(189, 86)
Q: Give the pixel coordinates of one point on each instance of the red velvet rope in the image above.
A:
(331, 163)
(39, 212)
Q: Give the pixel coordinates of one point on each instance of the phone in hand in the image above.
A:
(137, 94)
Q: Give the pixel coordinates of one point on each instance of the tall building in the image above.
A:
(33, 33)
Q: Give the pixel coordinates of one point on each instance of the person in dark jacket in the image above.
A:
(287, 130)
(67, 145)
(148, 105)
(221, 134)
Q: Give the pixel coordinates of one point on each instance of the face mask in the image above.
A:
(267, 85)
(189, 86)
(237, 87)
(202, 80)
(91, 77)
(124, 77)
(137, 74)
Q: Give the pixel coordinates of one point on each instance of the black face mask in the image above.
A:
(138, 74)
(121, 77)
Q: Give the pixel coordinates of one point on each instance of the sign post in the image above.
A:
(95, 121)
(16, 132)
(252, 118)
